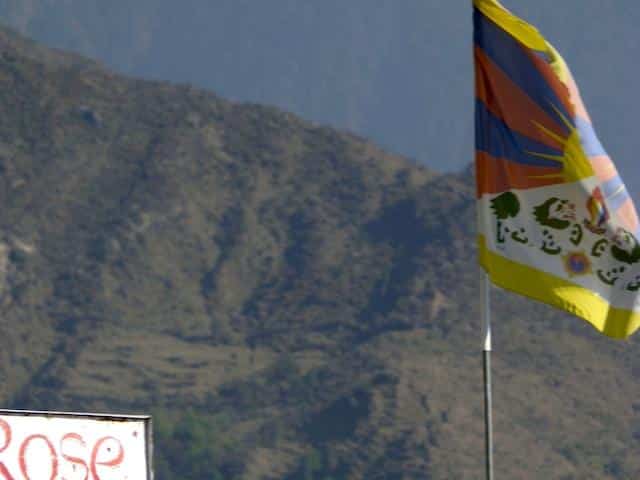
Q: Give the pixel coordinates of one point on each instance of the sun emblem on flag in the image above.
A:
(575, 164)
(577, 264)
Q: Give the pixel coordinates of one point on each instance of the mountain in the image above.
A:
(289, 300)
(397, 72)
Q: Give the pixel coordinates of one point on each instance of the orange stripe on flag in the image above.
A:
(512, 104)
(495, 175)
(603, 167)
(552, 79)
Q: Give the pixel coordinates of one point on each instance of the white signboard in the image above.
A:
(61, 446)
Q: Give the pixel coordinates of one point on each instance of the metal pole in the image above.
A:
(485, 287)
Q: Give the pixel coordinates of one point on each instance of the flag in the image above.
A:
(556, 222)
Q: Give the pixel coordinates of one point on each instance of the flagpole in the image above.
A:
(486, 327)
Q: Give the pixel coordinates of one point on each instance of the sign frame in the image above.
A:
(145, 419)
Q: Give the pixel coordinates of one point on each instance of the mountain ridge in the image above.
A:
(400, 73)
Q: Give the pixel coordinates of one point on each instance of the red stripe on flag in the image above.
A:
(560, 89)
(495, 175)
(508, 101)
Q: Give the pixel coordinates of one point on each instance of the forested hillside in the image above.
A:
(290, 301)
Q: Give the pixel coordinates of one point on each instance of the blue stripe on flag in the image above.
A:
(494, 137)
(510, 56)
(589, 139)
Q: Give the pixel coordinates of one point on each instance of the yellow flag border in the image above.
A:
(557, 292)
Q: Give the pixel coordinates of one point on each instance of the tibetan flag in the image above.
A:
(556, 223)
